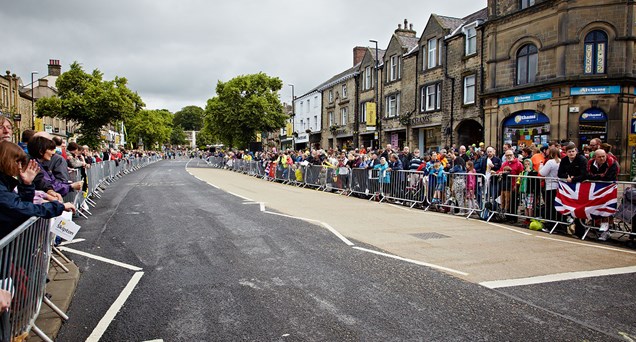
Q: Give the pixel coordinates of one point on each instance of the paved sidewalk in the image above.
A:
(486, 252)
(61, 287)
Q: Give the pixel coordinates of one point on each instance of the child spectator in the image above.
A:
(527, 187)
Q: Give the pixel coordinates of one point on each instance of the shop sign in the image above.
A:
(526, 118)
(593, 116)
(302, 137)
(545, 95)
(597, 90)
(421, 120)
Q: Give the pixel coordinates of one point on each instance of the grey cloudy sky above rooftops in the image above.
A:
(173, 52)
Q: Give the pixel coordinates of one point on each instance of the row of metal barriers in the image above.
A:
(497, 197)
(26, 253)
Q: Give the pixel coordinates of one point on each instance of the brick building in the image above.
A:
(560, 70)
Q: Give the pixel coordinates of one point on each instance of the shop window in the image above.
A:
(527, 60)
(595, 52)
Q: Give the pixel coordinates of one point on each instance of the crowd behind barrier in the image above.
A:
(25, 253)
(521, 198)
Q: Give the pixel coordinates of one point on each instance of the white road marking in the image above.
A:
(326, 225)
(262, 206)
(97, 257)
(159, 340)
(294, 217)
(239, 196)
(250, 203)
(336, 233)
(495, 284)
(114, 308)
(72, 242)
(442, 268)
(588, 245)
(510, 229)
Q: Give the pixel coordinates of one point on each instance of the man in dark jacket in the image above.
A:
(574, 167)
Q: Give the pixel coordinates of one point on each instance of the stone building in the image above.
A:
(367, 93)
(15, 103)
(398, 90)
(339, 106)
(560, 70)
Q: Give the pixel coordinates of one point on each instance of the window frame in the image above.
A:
(368, 78)
(344, 116)
(363, 112)
(526, 56)
(431, 53)
(330, 95)
(426, 96)
(344, 90)
(592, 41)
(330, 114)
(467, 31)
(390, 98)
(523, 4)
(466, 90)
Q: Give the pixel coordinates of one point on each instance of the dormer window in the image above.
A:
(471, 39)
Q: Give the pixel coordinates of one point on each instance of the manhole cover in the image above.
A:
(430, 236)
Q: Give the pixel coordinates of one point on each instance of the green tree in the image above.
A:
(90, 101)
(243, 106)
(177, 137)
(151, 127)
(204, 137)
(190, 118)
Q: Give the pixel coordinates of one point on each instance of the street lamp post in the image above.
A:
(378, 122)
(293, 119)
(32, 101)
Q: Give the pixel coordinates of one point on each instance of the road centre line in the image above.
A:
(587, 245)
(97, 257)
(114, 308)
(495, 284)
(421, 263)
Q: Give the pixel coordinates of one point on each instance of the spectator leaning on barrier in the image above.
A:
(602, 168)
(56, 164)
(43, 149)
(574, 167)
(17, 207)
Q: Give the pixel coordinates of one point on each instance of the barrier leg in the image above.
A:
(57, 262)
(40, 334)
(55, 308)
(58, 252)
(553, 228)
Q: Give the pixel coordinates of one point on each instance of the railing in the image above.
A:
(25, 253)
(492, 197)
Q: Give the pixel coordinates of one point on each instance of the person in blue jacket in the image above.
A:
(17, 207)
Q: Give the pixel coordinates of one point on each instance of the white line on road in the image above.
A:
(442, 268)
(326, 225)
(262, 206)
(72, 242)
(239, 196)
(588, 245)
(336, 233)
(97, 257)
(557, 277)
(114, 308)
(294, 217)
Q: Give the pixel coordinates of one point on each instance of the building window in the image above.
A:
(330, 96)
(394, 69)
(368, 78)
(469, 89)
(471, 40)
(392, 105)
(330, 118)
(344, 90)
(431, 97)
(315, 101)
(526, 3)
(527, 59)
(301, 107)
(363, 112)
(343, 115)
(432, 53)
(308, 105)
(595, 52)
(302, 124)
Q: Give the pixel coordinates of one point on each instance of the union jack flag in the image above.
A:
(586, 200)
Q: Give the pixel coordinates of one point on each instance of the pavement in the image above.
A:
(61, 287)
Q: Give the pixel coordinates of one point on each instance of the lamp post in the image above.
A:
(378, 122)
(32, 101)
(293, 119)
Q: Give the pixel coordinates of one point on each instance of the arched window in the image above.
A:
(595, 52)
(527, 59)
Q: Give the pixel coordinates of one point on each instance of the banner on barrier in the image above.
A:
(64, 227)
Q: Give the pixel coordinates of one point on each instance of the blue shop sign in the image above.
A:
(593, 114)
(544, 95)
(526, 117)
(596, 90)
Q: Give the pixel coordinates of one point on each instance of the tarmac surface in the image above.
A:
(185, 260)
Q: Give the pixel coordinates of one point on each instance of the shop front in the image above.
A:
(302, 140)
(592, 124)
(397, 139)
(367, 139)
(526, 127)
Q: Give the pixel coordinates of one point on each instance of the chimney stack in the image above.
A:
(358, 54)
(407, 31)
(55, 69)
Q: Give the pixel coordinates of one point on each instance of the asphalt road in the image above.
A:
(217, 268)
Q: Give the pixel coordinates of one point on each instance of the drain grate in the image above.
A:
(430, 236)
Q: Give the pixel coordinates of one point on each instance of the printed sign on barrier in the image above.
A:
(64, 227)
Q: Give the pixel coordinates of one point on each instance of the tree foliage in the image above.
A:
(177, 137)
(190, 118)
(243, 106)
(90, 101)
(151, 127)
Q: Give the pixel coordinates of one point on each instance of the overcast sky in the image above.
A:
(173, 51)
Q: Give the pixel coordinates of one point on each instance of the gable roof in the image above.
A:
(449, 23)
(343, 76)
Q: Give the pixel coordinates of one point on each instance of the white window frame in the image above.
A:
(469, 89)
(330, 118)
(344, 91)
(368, 78)
(315, 123)
(316, 101)
(343, 116)
(308, 105)
(432, 97)
(431, 48)
(394, 70)
(471, 35)
(330, 95)
(392, 110)
(363, 112)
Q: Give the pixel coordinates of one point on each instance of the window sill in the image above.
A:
(466, 57)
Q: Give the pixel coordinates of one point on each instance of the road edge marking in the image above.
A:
(550, 278)
(421, 263)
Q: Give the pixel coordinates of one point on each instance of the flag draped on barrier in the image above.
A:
(586, 200)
